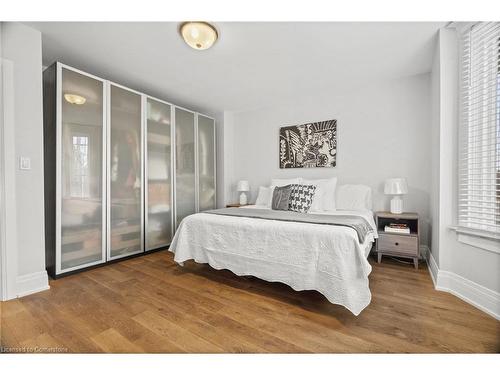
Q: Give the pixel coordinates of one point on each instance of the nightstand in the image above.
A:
(235, 205)
(406, 245)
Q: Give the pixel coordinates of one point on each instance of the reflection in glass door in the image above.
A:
(125, 173)
(158, 175)
(206, 163)
(185, 165)
(82, 170)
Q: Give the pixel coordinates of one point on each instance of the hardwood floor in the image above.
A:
(150, 304)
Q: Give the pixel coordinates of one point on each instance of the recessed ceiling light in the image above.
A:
(75, 99)
(199, 35)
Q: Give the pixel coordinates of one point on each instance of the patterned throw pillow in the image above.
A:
(301, 198)
(281, 197)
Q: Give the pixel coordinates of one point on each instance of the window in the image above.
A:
(479, 136)
(80, 167)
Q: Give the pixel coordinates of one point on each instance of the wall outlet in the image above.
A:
(24, 163)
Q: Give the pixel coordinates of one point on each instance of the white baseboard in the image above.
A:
(32, 283)
(432, 267)
(484, 299)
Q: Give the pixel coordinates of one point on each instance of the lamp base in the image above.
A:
(396, 205)
(243, 199)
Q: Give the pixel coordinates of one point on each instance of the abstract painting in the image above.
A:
(309, 145)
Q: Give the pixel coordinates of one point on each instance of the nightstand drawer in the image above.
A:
(398, 244)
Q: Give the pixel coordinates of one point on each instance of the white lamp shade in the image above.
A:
(395, 186)
(243, 185)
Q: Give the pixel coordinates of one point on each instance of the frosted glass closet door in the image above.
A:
(125, 173)
(185, 165)
(206, 163)
(159, 175)
(82, 171)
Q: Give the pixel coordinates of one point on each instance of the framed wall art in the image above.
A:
(308, 145)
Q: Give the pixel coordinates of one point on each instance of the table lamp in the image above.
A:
(243, 187)
(396, 187)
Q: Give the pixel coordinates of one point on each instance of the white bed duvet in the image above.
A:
(305, 256)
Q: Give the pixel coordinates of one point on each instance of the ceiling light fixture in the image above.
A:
(198, 35)
(75, 99)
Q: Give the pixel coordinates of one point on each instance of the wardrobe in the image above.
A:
(122, 169)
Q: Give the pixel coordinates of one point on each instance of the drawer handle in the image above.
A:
(397, 243)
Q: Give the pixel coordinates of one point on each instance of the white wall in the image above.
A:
(470, 272)
(434, 142)
(22, 47)
(383, 131)
(225, 177)
(3, 280)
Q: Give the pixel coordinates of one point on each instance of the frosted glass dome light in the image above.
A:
(75, 99)
(199, 35)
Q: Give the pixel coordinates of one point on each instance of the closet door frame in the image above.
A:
(195, 135)
(108, 170)
(197, 159)
(196, 167)
(172, 167)
(59, 155)
(215, 159)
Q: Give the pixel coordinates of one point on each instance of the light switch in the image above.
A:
(24, 163)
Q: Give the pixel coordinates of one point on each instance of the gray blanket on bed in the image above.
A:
(358, 223)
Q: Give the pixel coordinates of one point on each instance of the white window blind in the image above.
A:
(479, 135)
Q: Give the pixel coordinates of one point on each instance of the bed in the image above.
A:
(331, 259)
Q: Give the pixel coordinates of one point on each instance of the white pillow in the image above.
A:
(271, 193)
(263, 196)
(285, 181)
(324, 197)
(354, 197)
